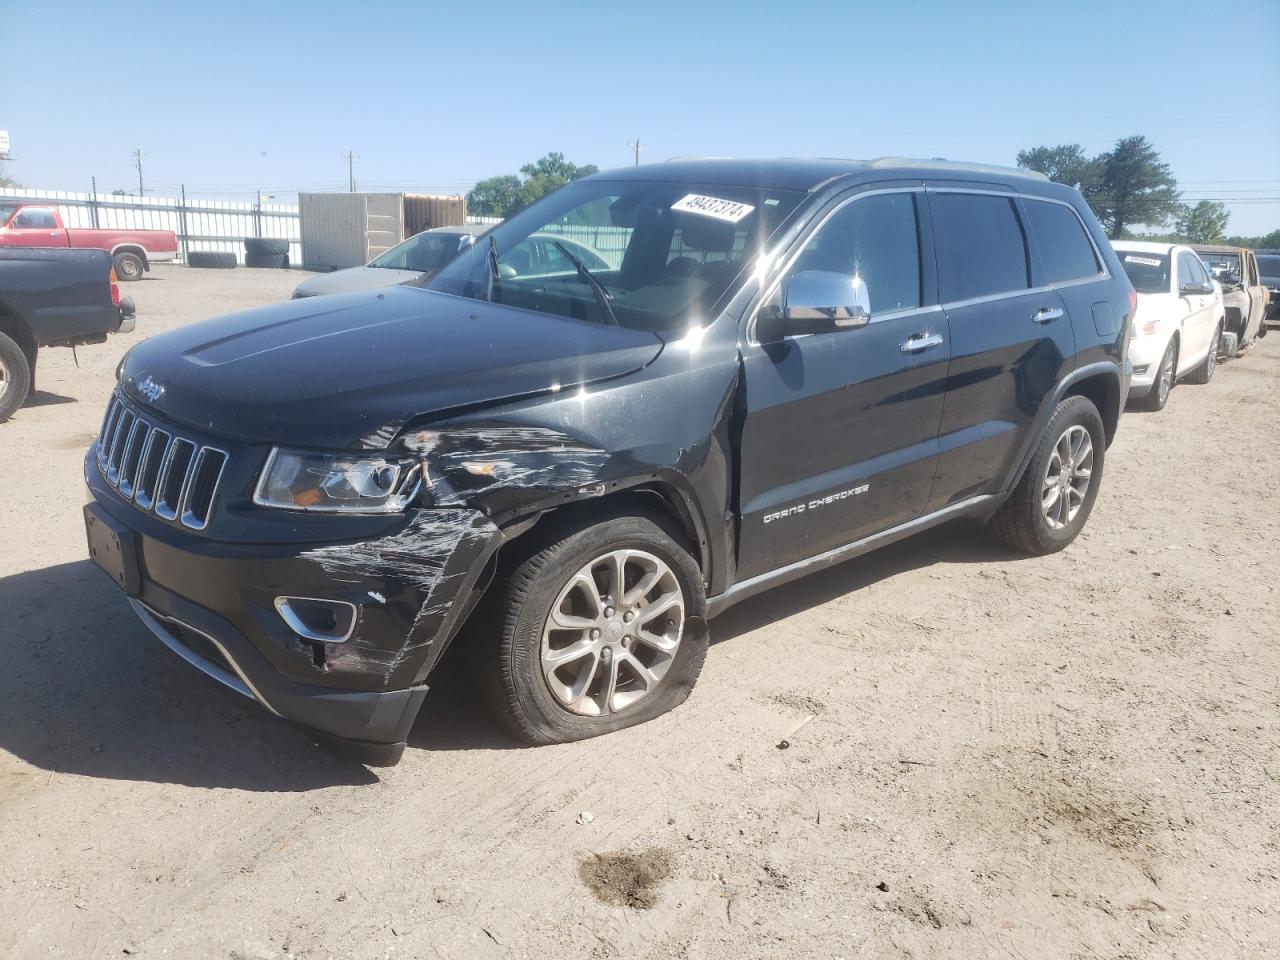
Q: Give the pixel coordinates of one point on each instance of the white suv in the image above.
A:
(1178, 325)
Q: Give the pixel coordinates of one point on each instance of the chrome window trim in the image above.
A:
(993, 297)
(772, 287)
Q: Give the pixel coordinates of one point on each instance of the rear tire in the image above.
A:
(516, 643)
(129, 267)
(271, 261)
(1203, 372)
(1027, 521)
(15, 377)
(211, 259)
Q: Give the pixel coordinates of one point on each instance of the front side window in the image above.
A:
(1148, 272)
(6, 211)
(1189, 270)
(1269, 266)
(645, 254)
(981, 249)
(426, 251)
(875, 238)
(35, 218)
(1065, 250)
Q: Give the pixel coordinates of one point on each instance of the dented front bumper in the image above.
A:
(215, 604)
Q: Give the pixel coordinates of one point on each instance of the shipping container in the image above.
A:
(349, 229)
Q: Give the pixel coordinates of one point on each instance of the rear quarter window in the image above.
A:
(980, 245)
(1065, 250)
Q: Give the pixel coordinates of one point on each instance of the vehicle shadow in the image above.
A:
(85, 689)
(961, 541)
(43, 398)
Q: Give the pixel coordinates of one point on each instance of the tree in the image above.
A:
(501, 196)
(1135, 187)
(494, 197)
(1206, 222)
(1269, 242)
(1127, 185)
(1066, 163)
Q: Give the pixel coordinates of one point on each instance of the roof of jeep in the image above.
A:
(799, 174)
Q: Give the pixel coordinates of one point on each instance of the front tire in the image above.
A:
(1055, 496)
(1166, 377)
(598, 630)
(1203, 372)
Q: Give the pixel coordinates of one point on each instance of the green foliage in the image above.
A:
(1066, 163)
(1270, 241)
(501, 196)
(1206, 222)
(1129, 184)
(494, 196)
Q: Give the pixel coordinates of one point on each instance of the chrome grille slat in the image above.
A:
(161, 472)
(144, 491)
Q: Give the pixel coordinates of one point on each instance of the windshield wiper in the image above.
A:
(598, 288)
(494, 275)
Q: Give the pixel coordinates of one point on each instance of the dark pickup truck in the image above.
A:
(53, 298)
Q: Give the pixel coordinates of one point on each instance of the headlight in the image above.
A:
(338, 482)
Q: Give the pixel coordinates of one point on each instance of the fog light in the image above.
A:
(325, 621)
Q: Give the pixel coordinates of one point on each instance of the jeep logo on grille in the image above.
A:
(150, 389)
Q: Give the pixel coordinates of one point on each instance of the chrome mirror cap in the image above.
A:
(823, 295)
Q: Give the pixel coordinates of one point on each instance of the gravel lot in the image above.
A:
(989, 756)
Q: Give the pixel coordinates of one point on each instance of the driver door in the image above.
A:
(841, 428)
(1198, 321)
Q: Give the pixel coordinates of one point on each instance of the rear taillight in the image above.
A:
(1133, 313)
(115, 289)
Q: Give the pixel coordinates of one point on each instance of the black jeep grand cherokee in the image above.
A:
(652, 394)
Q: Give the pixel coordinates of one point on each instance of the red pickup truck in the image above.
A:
(33, 224)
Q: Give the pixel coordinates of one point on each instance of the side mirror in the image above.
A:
(816, 301)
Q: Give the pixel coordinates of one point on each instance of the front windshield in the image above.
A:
(426, 251)
(1148, 272)
(1269, 267)
(662, 251)
(1222, 264)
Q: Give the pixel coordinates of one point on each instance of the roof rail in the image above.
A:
(938, 163)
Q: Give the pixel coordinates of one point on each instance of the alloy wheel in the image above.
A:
(1067, 477)
(612, 633)
(4, 378)
(1165, 383)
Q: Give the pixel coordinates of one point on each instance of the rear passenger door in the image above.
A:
(1011, 342)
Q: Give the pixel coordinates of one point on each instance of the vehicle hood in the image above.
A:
(357, 278)
(350, 371)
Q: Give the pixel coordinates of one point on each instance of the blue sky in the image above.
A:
(231, 96)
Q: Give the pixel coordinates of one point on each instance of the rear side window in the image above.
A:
(980, 245)
(35, 218)
(1065, 250)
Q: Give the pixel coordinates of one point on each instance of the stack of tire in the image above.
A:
(271, 252)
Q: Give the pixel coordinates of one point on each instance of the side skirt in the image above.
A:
(974, 506)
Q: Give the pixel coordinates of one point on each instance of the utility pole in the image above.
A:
(637, 147)
(137, 162)
(351, 171)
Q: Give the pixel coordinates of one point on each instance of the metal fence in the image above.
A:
(199, 224)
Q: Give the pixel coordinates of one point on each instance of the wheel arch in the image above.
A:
(128, 247)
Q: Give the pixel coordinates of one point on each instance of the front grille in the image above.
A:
(161, 472)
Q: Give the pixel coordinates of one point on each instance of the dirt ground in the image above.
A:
(940, 750)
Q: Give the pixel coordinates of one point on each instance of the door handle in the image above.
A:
(53, 233)
(1045, 314)
(920, 341)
